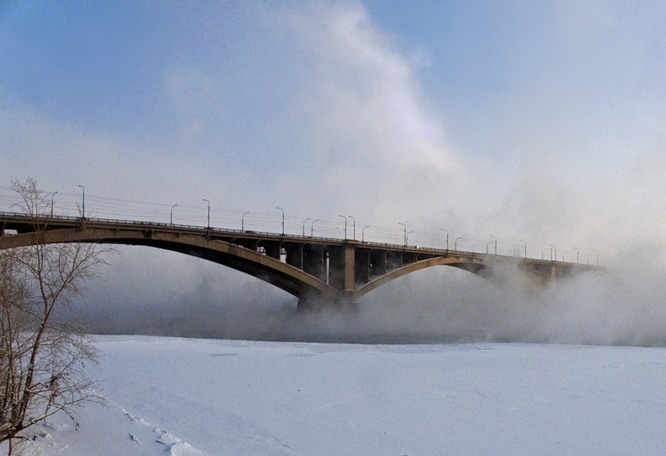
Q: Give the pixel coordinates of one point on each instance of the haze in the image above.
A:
(539, 123)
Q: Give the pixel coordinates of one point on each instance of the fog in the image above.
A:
(539, 124)
(614, 306)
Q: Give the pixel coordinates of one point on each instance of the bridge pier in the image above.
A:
(342, 267)
(349, 307)
(313, 304)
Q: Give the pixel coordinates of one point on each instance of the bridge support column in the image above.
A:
(362, 267)
(314, 262)
(393, 261)
(350, 267)
(553, 274)
(343, 265)
(273, 249)
(378, 263)
(295, 255)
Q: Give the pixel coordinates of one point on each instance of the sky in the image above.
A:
(538, 123)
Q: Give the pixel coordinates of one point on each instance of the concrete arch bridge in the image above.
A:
(316, 270)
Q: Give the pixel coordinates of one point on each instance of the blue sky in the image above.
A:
(538, 121)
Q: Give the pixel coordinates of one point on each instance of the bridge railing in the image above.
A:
(138, 223)
(176, 226)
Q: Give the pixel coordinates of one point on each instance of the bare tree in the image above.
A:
(42, 359)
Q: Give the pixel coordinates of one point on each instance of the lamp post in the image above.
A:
(495, 243)
(280, 209)
(551, 251)
(363, 233)
(588, 257)
(577, 254)
(312, 228)
(54, 194)
(447, 238)
(304, 222)
(525, 247)
(243, 220)
(171, 214)
(83, 206)
(407, 238)
(455, 243)
(343, 216)
(404, 237)
(208, 222)
(354, 226)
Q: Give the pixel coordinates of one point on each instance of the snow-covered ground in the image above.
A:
(220, 397)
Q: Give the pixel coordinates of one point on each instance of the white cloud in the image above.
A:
(376, 147)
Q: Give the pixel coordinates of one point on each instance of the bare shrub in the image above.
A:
(42, 360)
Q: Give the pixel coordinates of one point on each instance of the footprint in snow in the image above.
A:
(177, 447)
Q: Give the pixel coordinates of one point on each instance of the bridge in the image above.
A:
(316, 270)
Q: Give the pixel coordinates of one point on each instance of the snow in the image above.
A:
(170, 396)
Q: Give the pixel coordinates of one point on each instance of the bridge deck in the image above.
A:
(22, 223)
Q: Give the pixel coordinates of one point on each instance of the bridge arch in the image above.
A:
(271, 270)
(474, 266)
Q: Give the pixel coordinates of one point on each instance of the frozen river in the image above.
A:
(219, 397)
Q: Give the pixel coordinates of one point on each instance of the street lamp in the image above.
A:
(525, 247)
(551, 251)
(455, 243)
(354, 229)
(404, 237)
(577, 254)
(280, 209)
(171, 214)
(54, 194)
(447, 238)
(312, 228)
(304, 222)
(363, 233)
(243, 220)
(83, 206)
(345, 225)
(208, 224)
(495, 243)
